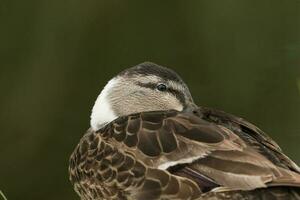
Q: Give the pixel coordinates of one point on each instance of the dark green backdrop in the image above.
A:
(241, 56)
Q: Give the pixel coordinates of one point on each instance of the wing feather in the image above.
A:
(176, 155)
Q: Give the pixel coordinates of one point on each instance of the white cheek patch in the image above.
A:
(102, 112)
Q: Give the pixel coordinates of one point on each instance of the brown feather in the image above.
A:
(207, 155)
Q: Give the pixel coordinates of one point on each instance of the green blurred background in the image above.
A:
(241, 56)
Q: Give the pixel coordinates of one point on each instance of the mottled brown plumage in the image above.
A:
(121, 160)
(196, 154)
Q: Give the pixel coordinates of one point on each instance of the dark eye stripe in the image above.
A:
(147, 85)
(179, 95)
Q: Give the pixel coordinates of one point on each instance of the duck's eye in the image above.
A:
(161, 87)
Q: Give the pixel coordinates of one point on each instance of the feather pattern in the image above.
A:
(205, 154)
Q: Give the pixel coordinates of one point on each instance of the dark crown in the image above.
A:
(149, 68)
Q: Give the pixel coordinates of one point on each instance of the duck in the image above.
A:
(148, 140)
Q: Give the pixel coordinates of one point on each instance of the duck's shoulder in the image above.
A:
(249, 133)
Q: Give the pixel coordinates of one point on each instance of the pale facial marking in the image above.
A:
(175, 85)
(123, 96)
(149, 79)
(102, 112)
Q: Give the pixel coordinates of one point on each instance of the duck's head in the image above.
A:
(145, 87)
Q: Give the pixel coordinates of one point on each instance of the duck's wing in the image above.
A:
(172, 155)
(250, 134)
